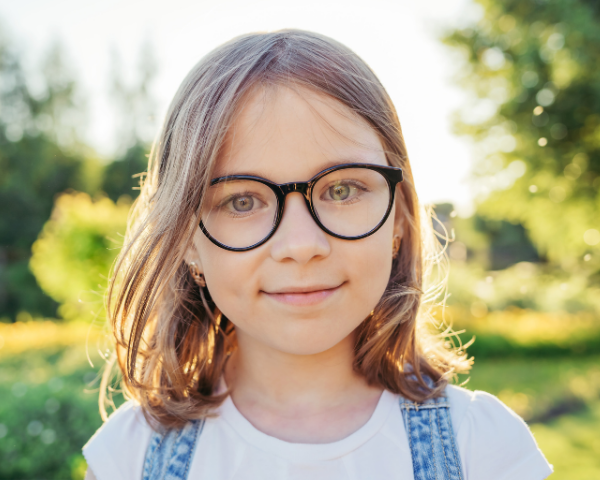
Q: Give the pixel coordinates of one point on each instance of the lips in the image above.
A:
(303, 296)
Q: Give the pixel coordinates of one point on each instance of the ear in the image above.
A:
(399, 217)
(192, 254)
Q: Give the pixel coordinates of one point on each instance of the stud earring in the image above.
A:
(198, 277)
(396, 246)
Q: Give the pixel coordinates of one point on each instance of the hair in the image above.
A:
(171, 341)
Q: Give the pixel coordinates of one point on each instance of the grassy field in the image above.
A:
(49, 405)
(49, 401)
(559, 398)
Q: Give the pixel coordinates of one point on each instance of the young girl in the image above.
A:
(267, 305)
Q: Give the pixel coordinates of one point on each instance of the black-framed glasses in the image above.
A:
(348, 201)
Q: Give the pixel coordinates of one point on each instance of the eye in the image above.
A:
(243, 203)
(339, 192)
(344, 191)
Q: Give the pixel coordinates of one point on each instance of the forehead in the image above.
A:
(289, 134)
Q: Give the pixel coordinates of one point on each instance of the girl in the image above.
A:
(267, 303)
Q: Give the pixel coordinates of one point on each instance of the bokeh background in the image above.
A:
(500, 105)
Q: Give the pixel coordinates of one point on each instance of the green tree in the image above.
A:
(73, 254)
(533, 67)
(39, 157)
(122, 176)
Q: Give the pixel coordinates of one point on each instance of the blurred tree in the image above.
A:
(533, 67)
(122, 176)
(492, 244)
(135, 107)
(73, 254)
(39, 157)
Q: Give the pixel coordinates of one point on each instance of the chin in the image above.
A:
(307, 343)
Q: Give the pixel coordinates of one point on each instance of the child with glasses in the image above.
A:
(269, 303)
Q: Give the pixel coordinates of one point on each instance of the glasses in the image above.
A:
(348, 201)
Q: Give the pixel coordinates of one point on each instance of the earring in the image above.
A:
(198, 277)
(396, 246)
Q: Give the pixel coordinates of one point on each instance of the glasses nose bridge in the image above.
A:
(304, 188)
(300, 187)
(295, 187)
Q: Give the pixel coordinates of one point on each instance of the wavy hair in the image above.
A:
(171, 341)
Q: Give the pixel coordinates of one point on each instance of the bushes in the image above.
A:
(526, 285)
(73, 254)
(523, 333)
(49, 406)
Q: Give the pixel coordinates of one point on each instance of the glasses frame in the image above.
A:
(392, 175)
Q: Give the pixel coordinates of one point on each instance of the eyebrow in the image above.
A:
(324, 166)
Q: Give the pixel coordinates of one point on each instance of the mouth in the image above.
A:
(303, 296)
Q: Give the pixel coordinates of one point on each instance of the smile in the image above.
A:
(303, 296)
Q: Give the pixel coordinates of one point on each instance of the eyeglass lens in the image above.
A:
(349, 202)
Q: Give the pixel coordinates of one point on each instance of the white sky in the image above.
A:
(397, 38)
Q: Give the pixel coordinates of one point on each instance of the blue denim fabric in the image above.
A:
(431, 438)
(170, 453)
(428, 425)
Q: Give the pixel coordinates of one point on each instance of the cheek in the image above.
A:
(230, 276)
(370, 266)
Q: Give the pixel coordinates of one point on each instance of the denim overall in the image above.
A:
(428, 425)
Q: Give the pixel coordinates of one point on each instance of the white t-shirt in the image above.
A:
(494, 444)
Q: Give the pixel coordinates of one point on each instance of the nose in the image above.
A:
(298, 237)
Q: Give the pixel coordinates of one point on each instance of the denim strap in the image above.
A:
(431, 439)
(170, 453)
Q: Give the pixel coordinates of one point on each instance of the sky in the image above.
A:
(397, 38)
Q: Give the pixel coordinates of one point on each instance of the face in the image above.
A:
(303, 291)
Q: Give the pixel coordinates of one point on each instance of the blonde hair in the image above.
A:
(171, 342)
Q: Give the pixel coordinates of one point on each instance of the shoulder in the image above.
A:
(117, 450)
(494, 442)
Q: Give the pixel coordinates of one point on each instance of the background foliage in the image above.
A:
(525, 267)
(41, 156)
(75, 250)
(532, 67)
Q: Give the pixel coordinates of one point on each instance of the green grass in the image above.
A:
(535, 388)
(572, 444)
(48, 409)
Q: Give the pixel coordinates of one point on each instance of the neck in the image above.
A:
(261, 377)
